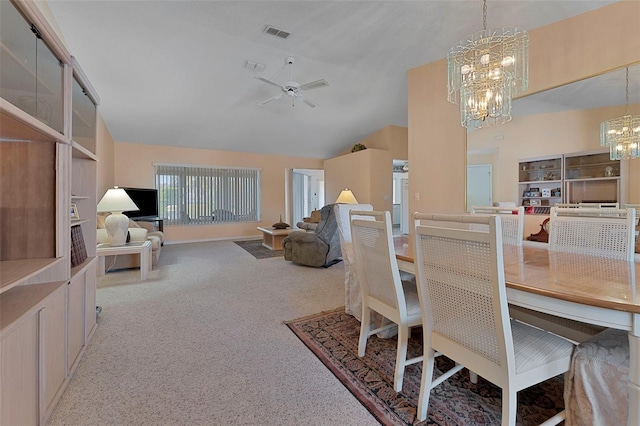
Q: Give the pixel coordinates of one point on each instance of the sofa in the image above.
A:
(138, 231)
(310, 223)
(318, 248)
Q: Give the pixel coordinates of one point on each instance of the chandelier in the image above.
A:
(485, 71)
(622, 134)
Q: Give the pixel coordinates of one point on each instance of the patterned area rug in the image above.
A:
(333, 337)
(258, 251)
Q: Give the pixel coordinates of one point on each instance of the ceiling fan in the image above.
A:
(293, 89)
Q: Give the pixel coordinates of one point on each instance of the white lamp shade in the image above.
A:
(346, 197)
(116, 200)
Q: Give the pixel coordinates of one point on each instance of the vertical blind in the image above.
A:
(193, 195)
(301, 196)
(298, 197)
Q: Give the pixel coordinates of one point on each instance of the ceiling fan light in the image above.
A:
(292, 88)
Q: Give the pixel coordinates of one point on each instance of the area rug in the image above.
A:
(259, 251)
(333, 338)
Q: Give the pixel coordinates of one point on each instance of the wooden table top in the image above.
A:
(589, 280)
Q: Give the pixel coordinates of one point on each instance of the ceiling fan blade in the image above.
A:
(273, 83)
(309, 102)
(314, 84)
(268, 101)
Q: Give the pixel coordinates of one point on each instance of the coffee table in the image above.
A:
(143, 248)
(272, 238)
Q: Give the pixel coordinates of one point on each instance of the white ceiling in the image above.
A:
(172, 72)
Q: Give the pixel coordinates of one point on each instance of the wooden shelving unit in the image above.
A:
(540, 182)
(48, 308)
(581, 177)
(592, 177)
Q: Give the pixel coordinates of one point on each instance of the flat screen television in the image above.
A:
(146, 199)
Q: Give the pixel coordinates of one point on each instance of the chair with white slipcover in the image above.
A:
(596, 387)
(381, 287)
(352, 296)
(461, 285)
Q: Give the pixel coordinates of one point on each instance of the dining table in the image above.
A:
(592, 289)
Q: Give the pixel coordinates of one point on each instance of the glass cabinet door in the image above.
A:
(83, 121)
(31, 76)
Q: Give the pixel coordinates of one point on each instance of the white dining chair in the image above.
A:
(605, 232)
(512, 222)
(598, 231)
(462, 291)
(382, 290)
(637, 209)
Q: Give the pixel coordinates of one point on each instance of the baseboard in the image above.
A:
(206, 240)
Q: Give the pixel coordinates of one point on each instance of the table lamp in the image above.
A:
(116, 201)
(346, 197)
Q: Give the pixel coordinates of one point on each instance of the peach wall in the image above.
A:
(389, 138)
(560, 53)
(436, 143)
(134, 167)
(584, 45)
(105, 153)
(368, 174)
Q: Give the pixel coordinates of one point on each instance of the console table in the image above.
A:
(272, 238)
(143, 248)
(157, 220)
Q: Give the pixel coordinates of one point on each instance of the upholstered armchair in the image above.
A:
(318, 248)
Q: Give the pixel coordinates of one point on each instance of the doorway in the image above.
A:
(307, 193)
(400, 213)
(479, 185)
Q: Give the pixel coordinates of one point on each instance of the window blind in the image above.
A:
(194, 195)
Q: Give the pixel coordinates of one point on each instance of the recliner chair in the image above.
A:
(319, 248)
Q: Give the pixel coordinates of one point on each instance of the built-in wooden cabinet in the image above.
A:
(81, 311)
(592, 177)
(540, 181)
(33, 370)
(32, 67)
(583, 177)
(48, 116)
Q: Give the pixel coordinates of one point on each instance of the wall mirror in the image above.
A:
(561, 120)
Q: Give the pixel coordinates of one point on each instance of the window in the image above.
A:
(196, 195)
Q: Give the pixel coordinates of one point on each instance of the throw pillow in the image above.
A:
(315, 216)
(100, 221)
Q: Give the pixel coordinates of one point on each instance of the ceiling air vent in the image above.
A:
(276, 32)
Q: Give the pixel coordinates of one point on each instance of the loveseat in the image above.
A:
(310, 223)
(138, 231)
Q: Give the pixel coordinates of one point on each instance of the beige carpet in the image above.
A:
(202, 342)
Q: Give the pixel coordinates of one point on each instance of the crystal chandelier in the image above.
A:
(486, 70)
(622, 134)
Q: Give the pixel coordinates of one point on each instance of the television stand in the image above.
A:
(155, 219)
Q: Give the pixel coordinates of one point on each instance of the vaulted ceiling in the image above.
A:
(174, 72)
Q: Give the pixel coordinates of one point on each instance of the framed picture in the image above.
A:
(74, 211)
(546, 192)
